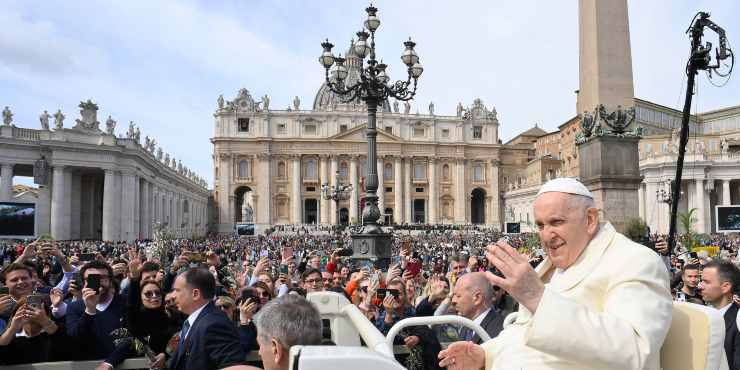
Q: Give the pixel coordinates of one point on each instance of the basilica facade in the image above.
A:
(270, 165)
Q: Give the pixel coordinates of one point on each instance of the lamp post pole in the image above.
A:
(371, 243)
(336, 193)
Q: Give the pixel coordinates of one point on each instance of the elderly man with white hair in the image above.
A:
(598, 301)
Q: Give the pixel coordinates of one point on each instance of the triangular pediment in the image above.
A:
(358, 134)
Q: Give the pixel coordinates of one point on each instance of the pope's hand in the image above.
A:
(520, 280)
(463, 356)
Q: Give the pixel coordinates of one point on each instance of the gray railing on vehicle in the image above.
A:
(136, 363)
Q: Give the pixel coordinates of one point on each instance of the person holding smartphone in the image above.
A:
(92, 319)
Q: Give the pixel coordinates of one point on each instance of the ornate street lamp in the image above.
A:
(336, 192)
(373, 87)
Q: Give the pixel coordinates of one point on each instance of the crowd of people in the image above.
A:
(95, 300)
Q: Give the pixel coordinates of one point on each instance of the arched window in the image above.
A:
(243, 169)
(446, 172)
(344, 170)
(388, 172)
(311, 170)
(281, 170)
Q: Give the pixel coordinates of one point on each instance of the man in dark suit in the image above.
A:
(208, 339)
(473, 299)
(719, 281)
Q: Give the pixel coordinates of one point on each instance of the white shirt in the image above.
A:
(191, 319)
(479, 320)
(102, 306)
(724, 309)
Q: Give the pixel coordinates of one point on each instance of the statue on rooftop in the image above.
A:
(44, 118)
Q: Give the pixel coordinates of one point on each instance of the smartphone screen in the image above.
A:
(93, 282)
(283, 269)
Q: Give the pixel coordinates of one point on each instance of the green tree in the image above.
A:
(687, 220)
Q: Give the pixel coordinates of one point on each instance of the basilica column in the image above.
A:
(295, 197)
(333, 181)
(701, 206)
(397, 190)
(460, 194)
(641, 201)
(407, 205)
(264, 190)
(145, 220)
(324, 203)
(6, 182)
(495, 212)
(59, 222)
(433, 191)
(381, 189)
(353, 199)
(137, 207)
(726, 193)
(110, 206)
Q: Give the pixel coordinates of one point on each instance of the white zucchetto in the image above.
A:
(565, 185)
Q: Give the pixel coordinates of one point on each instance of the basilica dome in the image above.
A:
(327, 100)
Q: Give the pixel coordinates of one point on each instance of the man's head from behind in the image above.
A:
(287, 321)
(193, 288)
(472, 295)
(567, 220)
(719, 280)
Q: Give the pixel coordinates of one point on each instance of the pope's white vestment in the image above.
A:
(611, 309)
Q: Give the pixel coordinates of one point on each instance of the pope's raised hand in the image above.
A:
(519, 278)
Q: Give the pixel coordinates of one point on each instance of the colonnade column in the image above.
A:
(59, 221)
(144, 201)
(324, 203)
(109, 206)
(460, 195)
(353, 199)
(381, 189)
(295, 196)
(433, 191)
(128, 198)
(6, 182)
(397, 190)
(407, 205)
(333, 181)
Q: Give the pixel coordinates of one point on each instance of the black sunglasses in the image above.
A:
(152, 294)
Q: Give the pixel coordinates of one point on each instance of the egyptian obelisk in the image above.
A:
(608, 159)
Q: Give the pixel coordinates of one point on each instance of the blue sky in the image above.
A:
(163, 63)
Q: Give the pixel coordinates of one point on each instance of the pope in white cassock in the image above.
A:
(598, 301)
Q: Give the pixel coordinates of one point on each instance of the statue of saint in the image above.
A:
(221, 101)
(152, 145)
(296, 103)
(247, 210)
(147, 141)
(725, 146)
(7, 116)
(159, 153)
(137, 135)
(406, 107)
(130, 132)
(110, 125)
(395, 106)
(44, 118)
(58, 120)
(266, 103)
(167, 159)
(459, 109)
(431, 108)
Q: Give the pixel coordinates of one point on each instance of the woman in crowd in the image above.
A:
(150, 325)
